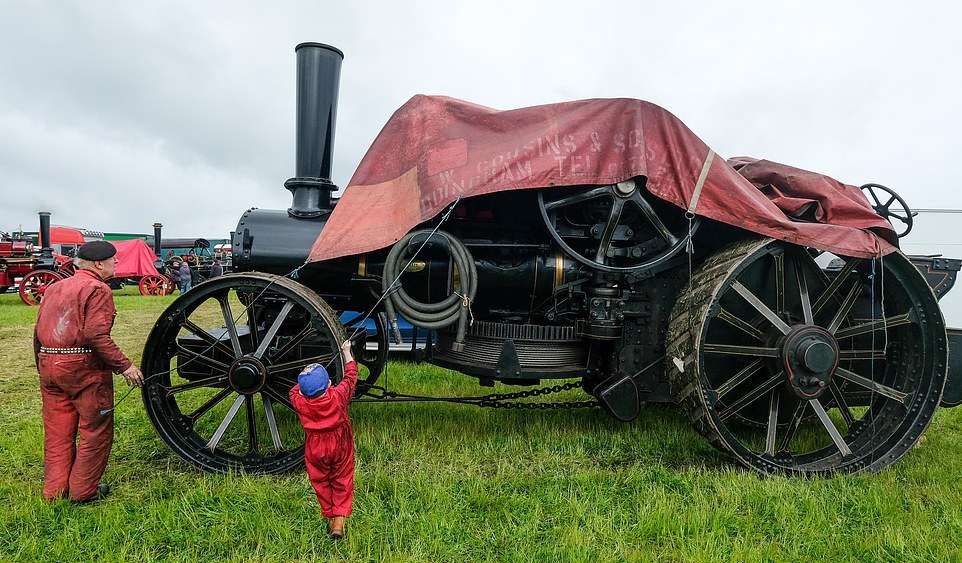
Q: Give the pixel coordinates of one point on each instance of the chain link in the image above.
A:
(494, 400)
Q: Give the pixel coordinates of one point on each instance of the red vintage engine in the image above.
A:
(31, 269)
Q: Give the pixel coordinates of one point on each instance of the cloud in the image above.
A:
(116, 114)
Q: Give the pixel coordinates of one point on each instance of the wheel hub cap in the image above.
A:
(809, 356)
(247, 375)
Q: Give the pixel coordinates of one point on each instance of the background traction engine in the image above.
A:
(791, 360)
(32, 270)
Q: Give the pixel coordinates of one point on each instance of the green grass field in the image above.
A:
(440, 482)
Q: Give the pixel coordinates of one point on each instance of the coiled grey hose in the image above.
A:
(454, 308)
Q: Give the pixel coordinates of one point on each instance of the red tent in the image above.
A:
(134, 258)
(434, 149)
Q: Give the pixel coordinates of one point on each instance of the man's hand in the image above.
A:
(133, 376)
(346, 351)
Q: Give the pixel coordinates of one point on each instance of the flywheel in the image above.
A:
(801, 366)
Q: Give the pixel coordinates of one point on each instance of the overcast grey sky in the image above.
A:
(115, 115)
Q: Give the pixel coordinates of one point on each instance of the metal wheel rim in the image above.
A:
(199, 417)
(875, 404)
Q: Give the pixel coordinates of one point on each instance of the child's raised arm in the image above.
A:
(346, 351)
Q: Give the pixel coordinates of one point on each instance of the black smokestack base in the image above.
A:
(318, 79)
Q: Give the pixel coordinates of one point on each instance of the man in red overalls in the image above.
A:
(75, 357)
(329, 440)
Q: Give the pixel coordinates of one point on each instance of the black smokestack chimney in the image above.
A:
(157, 249)
(45, 249)
(318, 77)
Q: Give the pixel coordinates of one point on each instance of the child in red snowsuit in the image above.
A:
(329, 439)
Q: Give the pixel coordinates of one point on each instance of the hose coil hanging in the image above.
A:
(455, 308)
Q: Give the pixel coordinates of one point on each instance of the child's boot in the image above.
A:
(337, 527)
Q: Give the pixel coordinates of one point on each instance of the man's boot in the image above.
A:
(337, 527)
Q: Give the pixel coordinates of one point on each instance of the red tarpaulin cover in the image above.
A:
(434, 149)
(134, 258)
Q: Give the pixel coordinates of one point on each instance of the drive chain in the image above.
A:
(494, 400)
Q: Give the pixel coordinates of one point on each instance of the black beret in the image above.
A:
(96, 250)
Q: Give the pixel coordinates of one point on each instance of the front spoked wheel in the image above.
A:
(219, 364)
(800, 368)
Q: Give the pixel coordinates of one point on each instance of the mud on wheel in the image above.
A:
(219, 364)
(800, 367)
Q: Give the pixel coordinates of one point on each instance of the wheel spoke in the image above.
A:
(830, 427)
(841, 404)
(755, 302)
(739, 378)
(298, 364)
(307, 331)
(867, 383)
(741, 324)
(219, 433)
(807, 315)
(286, 381)
(873, 325)
(215, 381)
(753, 395)
(272, 422)
(278, 396)
(888, 203)
(653, 218)
(275, 326)
(577, 198)
(229, 323)
(614, 217)
(735, 350)
(861, 355)
(772, 423)
(213, 402)
(207, 337)
(198, 357)
(844, 309)
(834, 286)
(793, 425)
(251, 424)
(779, 282)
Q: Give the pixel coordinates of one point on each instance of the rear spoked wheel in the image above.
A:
(219, 364)
(797, 368)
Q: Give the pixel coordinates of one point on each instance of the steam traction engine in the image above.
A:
(35, 268)
(791, 359)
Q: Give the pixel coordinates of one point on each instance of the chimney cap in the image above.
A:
(321, 45)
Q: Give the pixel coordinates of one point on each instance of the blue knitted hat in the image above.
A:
(313, 380)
